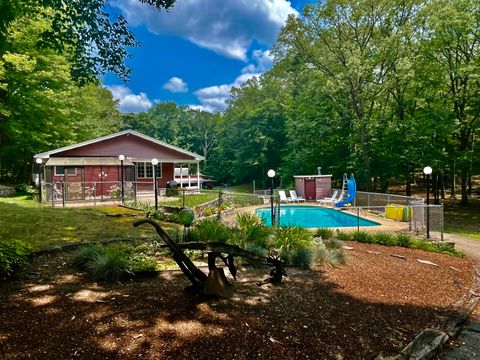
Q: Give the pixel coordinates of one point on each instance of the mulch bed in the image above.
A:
(374, 305)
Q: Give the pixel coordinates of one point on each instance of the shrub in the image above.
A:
(303, 256)
(185, 217)
(344, 236)
(108, 266)
(324, 233)
(330, 256)
(85, 254)
(251, 230)
(383, 238)
(333, 243)
(404, 240)
(209, 230)
(291, 238)
(361, 236)
(14, 257)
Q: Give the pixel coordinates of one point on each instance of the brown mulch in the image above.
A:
(375, 304)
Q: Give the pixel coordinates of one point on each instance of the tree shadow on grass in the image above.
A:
(62, 315)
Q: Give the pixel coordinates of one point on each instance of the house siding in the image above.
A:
(129, 145)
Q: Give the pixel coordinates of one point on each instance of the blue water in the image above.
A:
(313, 217)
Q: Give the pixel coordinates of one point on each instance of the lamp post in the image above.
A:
(427, 170)
(271, 175)
(154, 163)
(121, 158)
(40, 164)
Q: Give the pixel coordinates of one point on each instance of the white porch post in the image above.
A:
(198, 175)
(189, 178)
(181, 175)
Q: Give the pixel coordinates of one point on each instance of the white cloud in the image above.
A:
(213, 98)
(129, 102)
(227, 27)
(176, 85)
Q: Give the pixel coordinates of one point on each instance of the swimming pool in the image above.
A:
(313, 217)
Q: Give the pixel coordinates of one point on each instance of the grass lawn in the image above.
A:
(463, 220)
(192, 200)
(41, 225)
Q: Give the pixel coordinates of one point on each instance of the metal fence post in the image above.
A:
(52, 194)
(441, 222)
(64, 192)
(358, 219)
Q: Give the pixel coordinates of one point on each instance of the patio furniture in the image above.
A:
(283, 197)
(295, 197)
(331, 200)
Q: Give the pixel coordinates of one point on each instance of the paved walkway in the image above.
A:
(470, 246)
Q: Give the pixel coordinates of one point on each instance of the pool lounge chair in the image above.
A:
(331, 200)
(283, 197)
(295, 198)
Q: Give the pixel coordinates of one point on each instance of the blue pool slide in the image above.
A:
(352, 192)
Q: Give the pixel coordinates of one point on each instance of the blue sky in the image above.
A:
(194, 54)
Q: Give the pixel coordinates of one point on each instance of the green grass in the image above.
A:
(463, 220)
(41, 225)
(192, 200)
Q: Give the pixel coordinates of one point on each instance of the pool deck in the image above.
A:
(385, 225)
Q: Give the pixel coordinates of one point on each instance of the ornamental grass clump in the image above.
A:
(209, 230)
(329, 252)
(250, 229)
(109, 266)
(324, 233)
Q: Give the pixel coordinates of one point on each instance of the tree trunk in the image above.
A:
(464, 178)
(442, 186)
(453, 193)
(408, 184)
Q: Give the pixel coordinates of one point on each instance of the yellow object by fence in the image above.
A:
(397, 212)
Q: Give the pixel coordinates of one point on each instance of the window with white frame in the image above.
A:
(60, 171)
(145, 170)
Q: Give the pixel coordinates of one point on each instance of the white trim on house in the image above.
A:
(111, 136)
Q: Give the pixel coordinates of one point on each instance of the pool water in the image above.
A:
(313, 217)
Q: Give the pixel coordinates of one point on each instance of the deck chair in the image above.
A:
(331, 200)
(295, 198)
(283, 197)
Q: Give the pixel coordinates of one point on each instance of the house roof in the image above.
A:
(84, 161)
(111, 136)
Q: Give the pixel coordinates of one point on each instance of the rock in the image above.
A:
(427, 262)
(399, 256)
(426, 345)
(6, 191)
(347, 247)
(373, 252)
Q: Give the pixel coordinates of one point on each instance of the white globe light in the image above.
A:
(38, 161)
(154, 161)
(271, 173)
(121, 157)
(427, 170)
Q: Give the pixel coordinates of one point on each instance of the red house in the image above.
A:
(93, 169)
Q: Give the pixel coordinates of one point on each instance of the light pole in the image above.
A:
(40, 164)
(427, 170)
(154, 163)
(121, 158)
(271, 175)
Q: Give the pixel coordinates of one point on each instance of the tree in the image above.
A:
(451, 45)
(354, 45)
(97, 40)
